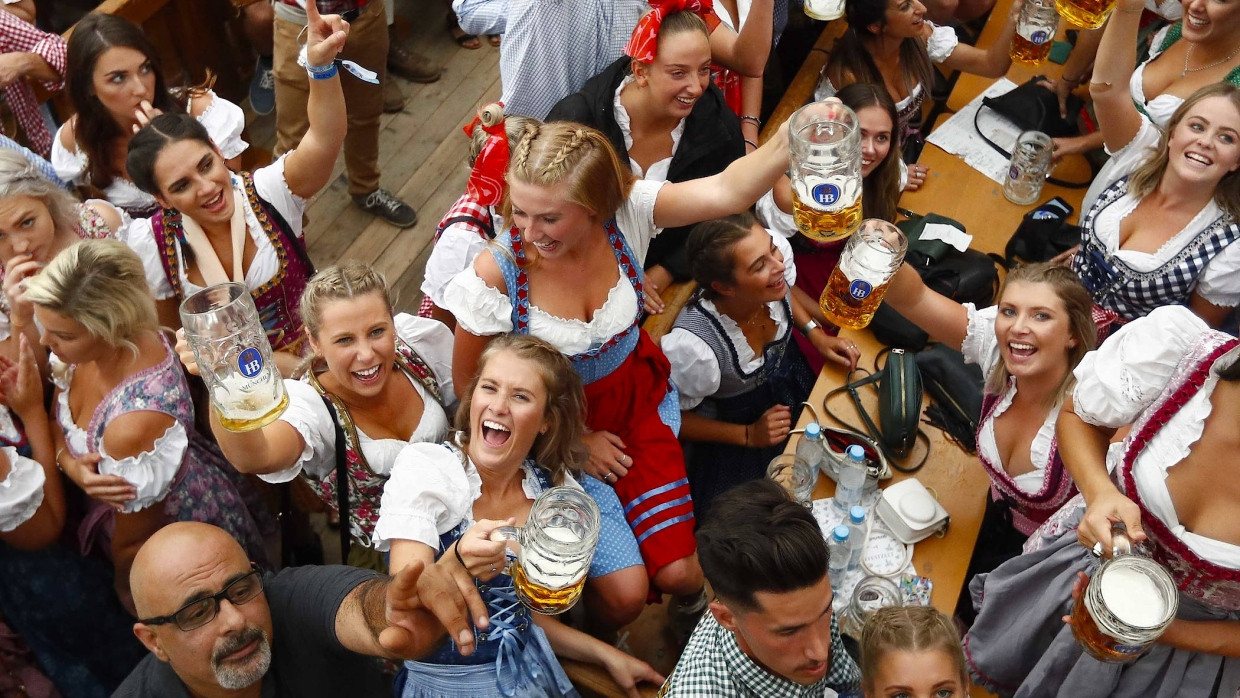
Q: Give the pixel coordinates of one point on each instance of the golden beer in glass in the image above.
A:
(554, 549)
(1028, 52)
(1035, 31)
(1086, 14)
(824, 144)
(858, 283)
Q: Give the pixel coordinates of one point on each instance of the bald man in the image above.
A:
(216, 626)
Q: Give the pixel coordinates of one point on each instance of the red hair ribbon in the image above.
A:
(645, 37)
(486, 179)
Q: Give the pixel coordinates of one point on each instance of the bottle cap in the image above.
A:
(856, 514)
(856, 453)
(812, 430)
(840, 534)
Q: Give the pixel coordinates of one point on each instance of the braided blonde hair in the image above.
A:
(490, 115)
(569, 153)
(348, 279)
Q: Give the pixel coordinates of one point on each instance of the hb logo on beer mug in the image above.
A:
(234, 357)
(553, 550)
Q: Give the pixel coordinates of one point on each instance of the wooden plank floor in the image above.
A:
(422, 157)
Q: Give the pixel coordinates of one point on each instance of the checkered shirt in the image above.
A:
(327, 7)
(17, 36)
(1130, 293)
(470, 214)
(551, 47)
(713, 666)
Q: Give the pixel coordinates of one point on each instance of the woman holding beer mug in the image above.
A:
(1198, 50)
(1177, 383)
(521, 422)
(1158, 222)
(570, 271)
(1026, 345)
(126, 421)
(217, 226)
(741, 378)
(890, 43)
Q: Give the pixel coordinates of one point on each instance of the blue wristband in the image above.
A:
(326, 72)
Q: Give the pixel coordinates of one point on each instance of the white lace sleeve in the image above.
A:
(480, 309)
(980, 346)
(271, 184)
(1219, 282)
(151, 472)
(307, 413)
(772, 218)
(433, 341)
(785, 249)
(942, 42)
(224, 122)
(69, 165)
(21, 492)
(429, 493)
(141, 239)
(636, 217)
(453, 252)
(695, 370)
(1119, 379)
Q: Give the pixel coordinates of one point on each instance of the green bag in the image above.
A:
(900, 392)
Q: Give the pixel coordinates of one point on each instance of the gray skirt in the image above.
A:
(1020, 646)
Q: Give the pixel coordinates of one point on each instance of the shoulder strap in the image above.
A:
(282, 229)
(411, 362)
(342, 482)
(871, 429)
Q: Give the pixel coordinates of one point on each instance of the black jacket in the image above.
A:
(711, 140)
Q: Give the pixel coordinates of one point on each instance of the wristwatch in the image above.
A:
(810, 327)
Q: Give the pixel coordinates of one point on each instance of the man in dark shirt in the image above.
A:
(216, 626)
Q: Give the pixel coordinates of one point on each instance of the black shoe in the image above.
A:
(385, 205)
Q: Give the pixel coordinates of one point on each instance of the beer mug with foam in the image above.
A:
(1035, 30)
(859, 282)
(554, 549)
(234, 357)
(1126, 607)
(824, 10)
(824, 142)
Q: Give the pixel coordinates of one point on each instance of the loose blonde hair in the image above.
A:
(908, 629)
(1146, 177)
(1077, 303)
(565, 152)
(559, 450)
(102, 285)
(348, 279)
(490, 115)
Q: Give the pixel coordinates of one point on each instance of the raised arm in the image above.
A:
(1083, 448)
(942, 318)
(746, 51)
(735, 189)
(309, 167)
(1118, 118)
(992, 62)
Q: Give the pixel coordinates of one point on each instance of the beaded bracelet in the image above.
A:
(749, 142)
(756, 121)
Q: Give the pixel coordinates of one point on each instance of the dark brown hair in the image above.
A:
(710, 250)
(880, 190)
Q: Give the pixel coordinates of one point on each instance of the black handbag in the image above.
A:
(899, 388)
(955, 390)
(1034, 107)
(1042, 234)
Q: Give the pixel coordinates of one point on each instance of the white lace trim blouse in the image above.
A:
(695, 369)
(271, 186)
(21, 492)
(658, 170)
(1117, 382)
(482, 310)
(223, 120)
(151, 472)
(981, 347)
(308, 414)
(454, 252)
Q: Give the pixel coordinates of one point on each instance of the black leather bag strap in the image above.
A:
(872, 430)
(342, 482)
(1007, 154)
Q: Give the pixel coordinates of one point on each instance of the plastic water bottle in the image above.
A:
(810, 450)
(856, 536)
(851, 479)
(839, 552)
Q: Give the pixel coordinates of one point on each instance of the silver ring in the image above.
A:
(493, 570)
(608, 477)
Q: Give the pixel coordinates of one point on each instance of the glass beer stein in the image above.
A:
(1035, 29)
(234, 357)
(824, 141)
(1086, 14)
(824, 10)
(1031, 161)
(859, 281)
(553, 549)
(795, 475)
(1126, 606)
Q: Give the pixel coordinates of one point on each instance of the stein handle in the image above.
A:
(1121, 544)
(512, 534)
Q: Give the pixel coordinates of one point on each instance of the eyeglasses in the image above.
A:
(199, 612)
